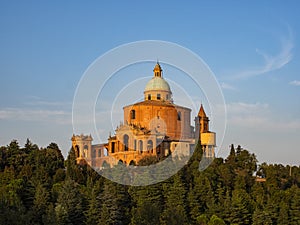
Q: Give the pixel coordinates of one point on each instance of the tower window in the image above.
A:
(132, 114)
(205, 127)
(149, 97)
(158, 96)
(179, 116)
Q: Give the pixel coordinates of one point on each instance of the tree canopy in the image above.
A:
(37, 186)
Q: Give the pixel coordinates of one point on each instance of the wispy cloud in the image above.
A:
(243, 109)
(38, 101)
(258, 116)
(227, 86)
(35, 115)
(271, 62)
(295, 82)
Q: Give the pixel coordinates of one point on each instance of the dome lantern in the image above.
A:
(158, 88)
(157, 70)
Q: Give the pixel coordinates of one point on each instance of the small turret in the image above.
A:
(157, 70)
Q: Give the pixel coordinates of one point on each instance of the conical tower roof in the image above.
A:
(201, 112)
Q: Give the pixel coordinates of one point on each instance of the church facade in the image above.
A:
(155, 126)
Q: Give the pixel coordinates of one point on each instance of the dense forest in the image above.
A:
(37, 186)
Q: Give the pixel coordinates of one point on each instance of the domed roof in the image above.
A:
(157, 84)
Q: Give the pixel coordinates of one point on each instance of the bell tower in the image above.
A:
(202, 133)
(82, 145)
(203, 120)
(201, 123)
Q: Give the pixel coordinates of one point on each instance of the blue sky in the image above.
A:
(252, 48)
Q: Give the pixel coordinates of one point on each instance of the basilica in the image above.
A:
(155, 126)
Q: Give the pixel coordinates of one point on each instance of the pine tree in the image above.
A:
(69, 207)
(174, 211)
(283, 217)
(199, 195)
(41, 202)
(148, 204)
(75, 172)
(94, 189)
(260, 217)
(240, 208)
(295, 205)
(115, 204)
(94, 211)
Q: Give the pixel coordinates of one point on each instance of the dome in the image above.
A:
(157, 84)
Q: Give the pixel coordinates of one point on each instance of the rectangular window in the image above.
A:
(179, 116)
(149, 97)
(132, 114)
(158, 97)
(113, 147)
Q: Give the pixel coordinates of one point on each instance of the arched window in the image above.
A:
(125, 142)
(85, 150)
(158, 149)
(141, 145)
(149, 96)
(77, 151)
(132, 163)
(105, 164)
(150, 146)
(158, 97)
(132, 114)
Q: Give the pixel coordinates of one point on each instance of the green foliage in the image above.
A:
(75, 171)
(214, 220)
(147, 204)
(295, 206)
(241, 207)
(115, 202)
(69, 207)
(38, 187)
(148, 160)
(175, 201)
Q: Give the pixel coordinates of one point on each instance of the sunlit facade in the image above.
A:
(155, 126)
